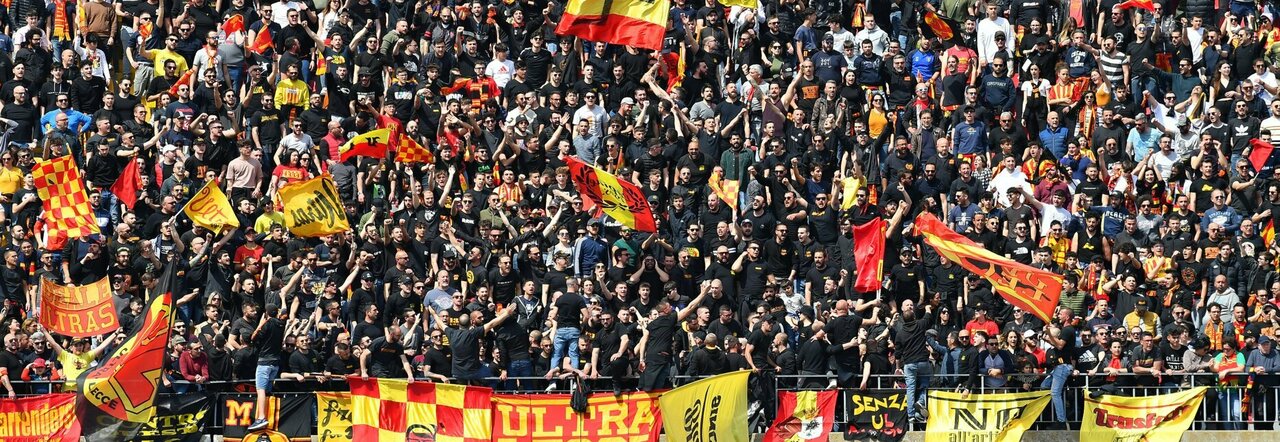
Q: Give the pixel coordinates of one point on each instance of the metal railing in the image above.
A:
(1220, 410)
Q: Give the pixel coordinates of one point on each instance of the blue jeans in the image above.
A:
(1055, 381)
(264, 377)
(1229, 408)
(917, 375)
(565, 337)
(516, 369)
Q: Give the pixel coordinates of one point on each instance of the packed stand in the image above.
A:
(1117, 146)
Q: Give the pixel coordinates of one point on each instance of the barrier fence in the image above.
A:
(230, 402)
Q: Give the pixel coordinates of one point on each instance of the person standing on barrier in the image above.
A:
(1059, 359)
(268, 337)
(1264, 364)
(909, 339)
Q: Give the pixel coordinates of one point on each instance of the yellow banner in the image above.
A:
(210, 209)
(1151, 418)
(333, 416)
(312, 208)
(710, 409)
(954, 417)
(752, 4)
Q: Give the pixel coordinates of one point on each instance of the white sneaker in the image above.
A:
(551, 387)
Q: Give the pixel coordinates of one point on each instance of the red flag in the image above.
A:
(262, 42)
(1260, 155)
(804, 416)
(184, 79)
(1143, 4)
(1034, 290)
(942, 28)
(126, 187)
(868, 248)
(233, 24)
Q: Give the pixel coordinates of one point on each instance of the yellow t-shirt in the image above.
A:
(73, 365)
(10, 180)
(160, 56)
(264, 222)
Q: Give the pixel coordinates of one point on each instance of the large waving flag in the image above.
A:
(262, 42)
(66, 204)
(123, 390)
(397, 410)
(1029, 288)
(1141, 4)
(184, 79)
(211, 209)
(804, 416)
(313, 208)
(714, 408)
(234, 23)
(868, 251)
(620, 199)
(373, 144)
(639, 23)
(410, 151)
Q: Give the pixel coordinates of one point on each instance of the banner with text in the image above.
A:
(1150, 418)
(879, 415)
(291, 415)
(333, 416)
(714, 408)
(51, 417)
(312, 208)
(954, 417)
(79, 312)
(549, 418)
(178, 418)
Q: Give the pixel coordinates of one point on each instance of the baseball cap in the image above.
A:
(39, 363)
(367, 276)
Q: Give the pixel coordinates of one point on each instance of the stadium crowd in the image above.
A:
(1120, 146)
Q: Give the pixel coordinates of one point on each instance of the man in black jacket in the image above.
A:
(909, 330)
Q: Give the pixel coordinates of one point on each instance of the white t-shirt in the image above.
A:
(501, 71)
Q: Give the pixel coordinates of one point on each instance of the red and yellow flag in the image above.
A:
(639, 23)
(262, 42)
(804, 416)
(184, 79)
(313, 208)
(233, 24)
(125, 386)
(66, 203)
(1269, 233)
(1034, 290)
(396, 410)
(727, 190)
(373, 144)
(868, 251)
(618, 198)
(410, 151)
(130, 182)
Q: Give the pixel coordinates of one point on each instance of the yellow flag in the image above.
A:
(714, 408)
(751, 4)
(211, 209)
(1150, 418)
(313, 208)
(993, 417)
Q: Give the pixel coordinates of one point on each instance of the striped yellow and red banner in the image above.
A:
(397, 410)
(640, 23)
(619, 199)
(66, 203)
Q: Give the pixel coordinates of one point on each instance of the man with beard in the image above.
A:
(911, 348)
(657, 344)
(465, 340)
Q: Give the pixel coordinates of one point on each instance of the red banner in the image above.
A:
(50, 417)
(549, 418)
(79, 312)
(1029, 288)
(868, 252)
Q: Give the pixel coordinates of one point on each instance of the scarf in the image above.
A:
(61, 30)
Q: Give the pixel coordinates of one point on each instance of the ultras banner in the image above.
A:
(549, 418)
(1150, 418)
(955, 417)
(877, 415)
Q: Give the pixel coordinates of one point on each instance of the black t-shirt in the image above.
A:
(338, 366)
(384, 359)
(662, 334)
(466, 350)
(270, 342)
(569, 310)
